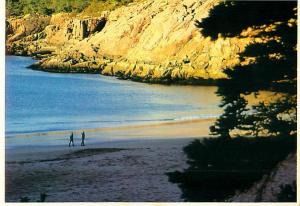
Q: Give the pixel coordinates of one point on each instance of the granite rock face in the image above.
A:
(21, 32)
(18, 28)
(151, 41)
(38, 34)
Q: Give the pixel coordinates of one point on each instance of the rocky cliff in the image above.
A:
(152, 41)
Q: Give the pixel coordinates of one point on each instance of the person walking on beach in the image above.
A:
(82, 138)
(71, 140)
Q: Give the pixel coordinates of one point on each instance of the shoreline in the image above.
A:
(120, 127)
(122, 76)
(116, 165)
(167, 130)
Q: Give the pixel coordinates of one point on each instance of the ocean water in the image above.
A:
(39, 101)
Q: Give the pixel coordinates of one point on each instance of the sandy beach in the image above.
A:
(117, 164)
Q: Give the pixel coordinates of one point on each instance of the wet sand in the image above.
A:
(117, 165)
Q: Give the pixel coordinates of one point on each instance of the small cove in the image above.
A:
(41, 102)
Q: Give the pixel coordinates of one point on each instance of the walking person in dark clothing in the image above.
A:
(82, 138)
(71, 140)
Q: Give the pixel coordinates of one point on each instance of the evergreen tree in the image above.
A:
(274, 69)
(218, 167)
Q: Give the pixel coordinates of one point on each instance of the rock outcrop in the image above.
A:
(151, 41)
(17, 28)
(22, 32)
(38, 34)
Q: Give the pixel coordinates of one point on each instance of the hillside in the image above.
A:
(151, 41)
(48, 7)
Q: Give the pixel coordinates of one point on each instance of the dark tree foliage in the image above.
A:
(288, 193)
(232, 116)
(274, 70)
(231, 17)
(220, 166)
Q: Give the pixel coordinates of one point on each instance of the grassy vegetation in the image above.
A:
(218, 166)
(47, 7)
(22, 7)
(95, 7)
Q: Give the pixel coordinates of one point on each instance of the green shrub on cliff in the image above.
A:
(47, 7)
(95, 7)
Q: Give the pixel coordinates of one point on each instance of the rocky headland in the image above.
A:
(153, 41)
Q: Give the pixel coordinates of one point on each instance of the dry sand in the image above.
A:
(123, 164)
